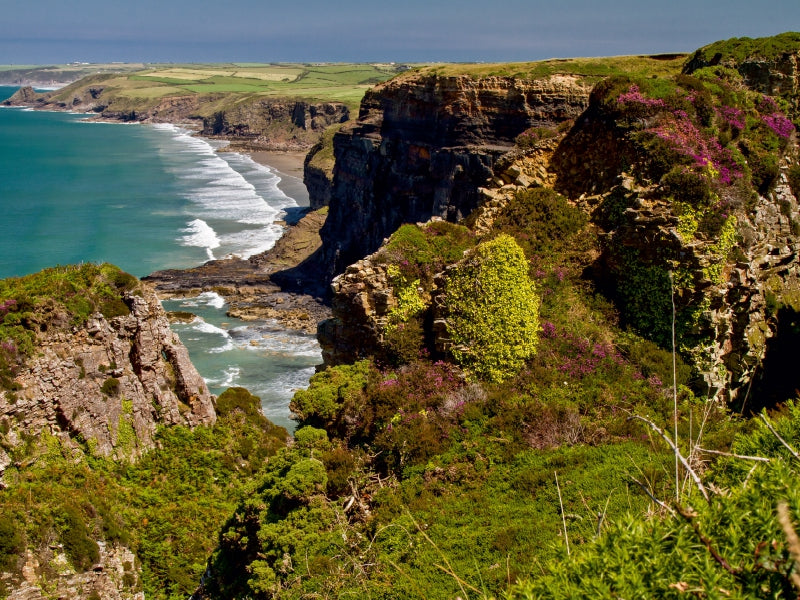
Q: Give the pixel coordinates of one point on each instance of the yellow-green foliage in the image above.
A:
(687, 220)
(725, 243)
(409, 301)
(493, 310)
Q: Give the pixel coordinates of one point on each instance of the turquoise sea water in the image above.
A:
(149, 197)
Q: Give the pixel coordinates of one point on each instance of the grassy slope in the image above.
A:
(327, 82)
(592, 68)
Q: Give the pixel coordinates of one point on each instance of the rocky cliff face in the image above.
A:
(276, 124)
(109, 384)
(264, 124)
(423, 145)
(775, 75)
(737, 282)
(106, 580)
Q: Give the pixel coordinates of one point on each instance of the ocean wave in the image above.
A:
(278, 342)
(229, 192)
(212, 299)
(229, 377)
(200, 234)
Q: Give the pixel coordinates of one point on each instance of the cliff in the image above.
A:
(685, 197)
(251, 122)
(103, 384)
(423, 145)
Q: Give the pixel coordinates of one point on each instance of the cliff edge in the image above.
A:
(102, 382)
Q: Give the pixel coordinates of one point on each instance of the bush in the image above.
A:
(492, 310)
(238, 399)
(79, 547)
(333, 397)
(110, 386)
(11, 542)
(541, 220)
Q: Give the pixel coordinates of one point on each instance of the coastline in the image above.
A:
(288, 165)
(273, 284)
(296, 296)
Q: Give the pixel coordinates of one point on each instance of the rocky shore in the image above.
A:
(282, 283)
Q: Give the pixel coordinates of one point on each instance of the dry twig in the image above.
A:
(695, 477)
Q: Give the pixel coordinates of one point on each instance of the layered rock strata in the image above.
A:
(423, 145)
(108, 384)
(252, 123)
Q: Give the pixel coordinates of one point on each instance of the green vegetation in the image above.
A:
(738, 49)
(736, 545)
(55, 298)
(593, 69)
(529, 459)
(225, 85)
(167, 506)
(322, 154)
(711, 145)
(493, 310)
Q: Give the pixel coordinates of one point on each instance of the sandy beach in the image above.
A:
(289, 166)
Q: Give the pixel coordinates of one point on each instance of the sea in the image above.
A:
(151, 197)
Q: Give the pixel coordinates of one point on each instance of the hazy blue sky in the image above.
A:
(42, 31)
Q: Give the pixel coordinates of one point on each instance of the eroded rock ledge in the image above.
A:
(107, 384)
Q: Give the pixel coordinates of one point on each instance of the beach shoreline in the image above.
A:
(288, 165)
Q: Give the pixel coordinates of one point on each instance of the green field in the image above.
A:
(323, 82)
(137, 85)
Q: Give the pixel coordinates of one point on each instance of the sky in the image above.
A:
(55, 31)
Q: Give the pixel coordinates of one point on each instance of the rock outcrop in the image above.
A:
(113, 578)
(423, 145)
(275, 124)
(776, 73)
(107, 384)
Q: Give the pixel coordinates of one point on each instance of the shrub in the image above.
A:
(11, 542)
(81, 549)
(541, 220)
(110, 386)
(238, 399)
(492, 310)
(332, 395)
(794, 180)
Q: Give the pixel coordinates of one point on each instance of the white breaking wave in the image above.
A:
(212, 299)
(233, 195)
(229, 376)
(199, 233)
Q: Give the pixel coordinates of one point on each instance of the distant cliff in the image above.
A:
(424, 144)
(253, 122)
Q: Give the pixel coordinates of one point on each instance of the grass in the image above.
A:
(327, 83)
(738, 49)
(592, 68)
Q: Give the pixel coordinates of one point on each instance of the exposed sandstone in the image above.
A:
(423, 146)
(109, 383)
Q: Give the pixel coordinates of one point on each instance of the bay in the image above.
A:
(146, 198)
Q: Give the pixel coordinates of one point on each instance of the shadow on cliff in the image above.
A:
(311, 277)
